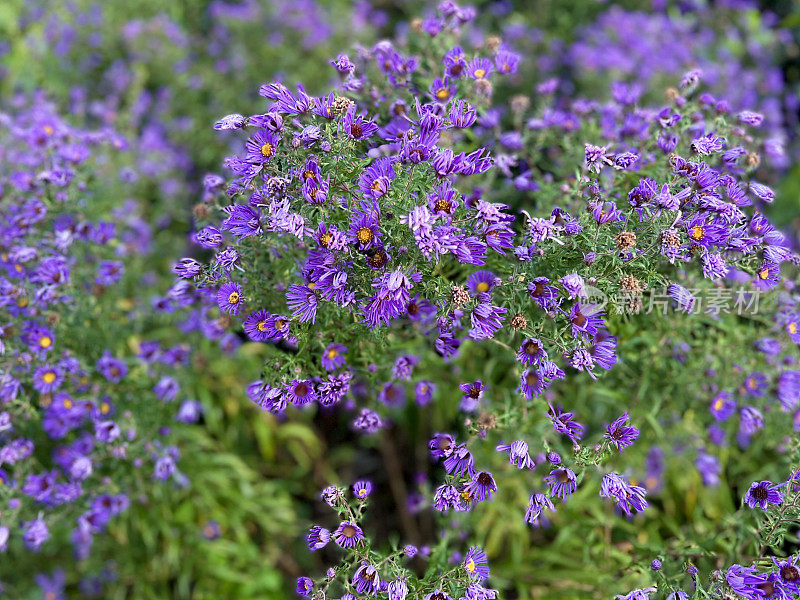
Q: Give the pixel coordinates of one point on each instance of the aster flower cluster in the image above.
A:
(356, 235)
(366, 572)
(348, 231)
(73, 443)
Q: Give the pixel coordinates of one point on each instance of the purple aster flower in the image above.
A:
(397, 589)
(262, 146)
(447, 497)
(603, 350)
(564, 423)
(460, 461)
(481, 487)
(423, 392)
(376, 179)
(304, 586)
(789, 572)
(476, 564)
(255, 326)
(707, 144)
(481, 282)
(441, 445)
(473, 392)
(562, 482)
(586, 320)
(348, 534)
(621, 435)
(35, 533)
(791, 324)
(486, 319)
(709, 468)
(47, 379)
(767, 276)
(343, 64)
(229, 298)
(537, 504)
(365, 226)
(682, 297)
(234, 121)
(53, 586)
(358, 127)
(763, 493)
(437, 595)
(442, 90)
(302, 300)
(318, 537)
(755, 384)
(362, 489)
(300, 392)
(626, 495)
(762, 192)
(789, 390)
(544, 294)
(574, 285)
(333, 357)
(596, 157)
(750, 420)
(722, 406)
(366, 580)
(531, 352)
(111, 368)
(368, 421)
(745, 581)
(517, 453)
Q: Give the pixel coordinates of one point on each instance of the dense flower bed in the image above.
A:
(531, 268)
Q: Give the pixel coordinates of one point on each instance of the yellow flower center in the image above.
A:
(67, 403)
(266, 150)
(764, 273)
(482, 287)
(442, 94)
(718, 404)
(261, 326)
(364, 235)
(49, 377)
(792, 327)
(105, 407)
(331, 353)
(45, 341)
(325, 239)
(49, 130)
(470, 566)
(279, 323)
(233, 298)
(479, 73)
(697, 233)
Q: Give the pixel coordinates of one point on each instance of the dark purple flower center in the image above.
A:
(348, 531)
(532, 348)
(484, 478)
(767, 588)
(790, 573)
(760, 492)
